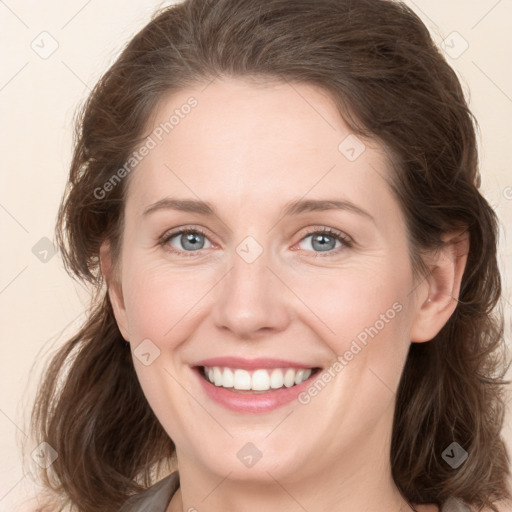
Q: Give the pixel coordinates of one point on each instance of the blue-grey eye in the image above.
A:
(188, 240)
(322, 242)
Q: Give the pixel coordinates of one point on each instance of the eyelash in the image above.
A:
(344, 239)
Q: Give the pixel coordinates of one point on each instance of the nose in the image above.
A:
(252, 301)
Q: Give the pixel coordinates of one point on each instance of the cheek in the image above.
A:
(357, 301)
(160, 299)
(363, 317)
(161, 305)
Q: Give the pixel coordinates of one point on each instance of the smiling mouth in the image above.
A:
(256, 381)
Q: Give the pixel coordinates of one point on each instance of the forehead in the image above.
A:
(241, 143)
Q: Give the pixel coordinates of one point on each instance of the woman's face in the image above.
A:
(256, 279)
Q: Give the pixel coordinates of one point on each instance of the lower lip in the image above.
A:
(249, 402)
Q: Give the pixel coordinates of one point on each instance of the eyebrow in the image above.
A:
(295, 207)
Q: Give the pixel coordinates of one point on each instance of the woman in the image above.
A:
(277, 203)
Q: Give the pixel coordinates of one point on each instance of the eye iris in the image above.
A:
(321, 239)
(191, 238)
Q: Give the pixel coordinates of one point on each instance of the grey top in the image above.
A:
(158, 497)
(154, 499)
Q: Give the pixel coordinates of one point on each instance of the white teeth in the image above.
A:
(260, 380)
(302, 375)
(289, 378)
(298, 376)
(228, 378)
(276, 379)
(217, 376)
(257, 380)
(242, 379)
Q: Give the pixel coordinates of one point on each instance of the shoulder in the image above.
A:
(157, 496)
(456, 506)
(453, 505)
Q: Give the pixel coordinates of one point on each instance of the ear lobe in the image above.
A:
(440, 289)
(114, 288)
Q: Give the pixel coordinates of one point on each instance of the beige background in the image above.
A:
(39, 304)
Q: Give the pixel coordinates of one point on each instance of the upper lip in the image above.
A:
(251, 364)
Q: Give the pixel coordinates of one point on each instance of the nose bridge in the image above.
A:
(251, 298)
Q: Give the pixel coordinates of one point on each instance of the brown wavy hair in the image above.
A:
(377, 61)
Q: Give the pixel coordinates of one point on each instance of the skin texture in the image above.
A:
(249, 149)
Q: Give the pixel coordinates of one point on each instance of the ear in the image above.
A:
(115, 291)
(439, 293)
